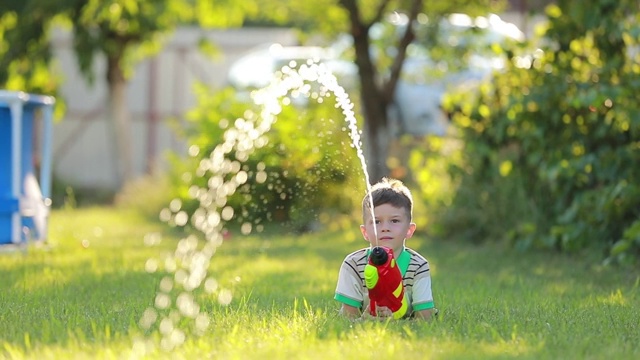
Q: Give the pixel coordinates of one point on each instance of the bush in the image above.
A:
(550, 145)
(303, 175)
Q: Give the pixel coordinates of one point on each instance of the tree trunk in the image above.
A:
(374, 107)
(377, 95)
(119, 117)
(377, 137)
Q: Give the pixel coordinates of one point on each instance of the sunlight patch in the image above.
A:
(616, 298)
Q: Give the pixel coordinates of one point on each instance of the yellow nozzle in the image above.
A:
(370, 276)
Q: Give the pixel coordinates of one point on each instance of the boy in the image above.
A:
(393, 207)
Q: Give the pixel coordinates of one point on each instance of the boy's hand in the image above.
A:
(383, 313)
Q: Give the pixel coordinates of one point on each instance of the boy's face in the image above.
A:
(392, 226)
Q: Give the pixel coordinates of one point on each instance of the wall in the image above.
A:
(159, 91)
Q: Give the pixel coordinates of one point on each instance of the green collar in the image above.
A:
(402, 260)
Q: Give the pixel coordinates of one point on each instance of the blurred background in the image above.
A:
(159, 85)
(512, 121)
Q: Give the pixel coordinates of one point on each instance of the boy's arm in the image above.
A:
(348, 290)
(422, 295)
(350, 312)
(426, 315)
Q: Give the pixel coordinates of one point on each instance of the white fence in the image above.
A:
(159, 90)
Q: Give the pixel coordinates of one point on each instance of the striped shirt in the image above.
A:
(416, 279)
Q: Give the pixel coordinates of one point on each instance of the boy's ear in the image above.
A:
(411, 230)
(363, 230)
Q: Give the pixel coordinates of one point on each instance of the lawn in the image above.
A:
(84, 296)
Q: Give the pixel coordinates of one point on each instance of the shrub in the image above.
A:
(304, 175)
(550, 145)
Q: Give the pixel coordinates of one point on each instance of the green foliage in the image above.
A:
(24, 48)
(119, 29)
(307, 172)
(334, 18)
(116, 28)
(550, 145)
(429, 160)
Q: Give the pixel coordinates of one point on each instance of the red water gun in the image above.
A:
(384, 281)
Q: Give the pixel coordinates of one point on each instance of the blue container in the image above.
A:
(24, 196)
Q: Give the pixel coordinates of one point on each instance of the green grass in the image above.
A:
(83, 298)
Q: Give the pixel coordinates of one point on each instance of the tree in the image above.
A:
(377, 84)
(116, 29)
(24, 55)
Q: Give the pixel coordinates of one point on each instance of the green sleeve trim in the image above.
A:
(403, 261)
(424, 306)
(349, 301)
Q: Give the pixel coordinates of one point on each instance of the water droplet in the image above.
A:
(227, 213)
(194, 150)
(211, 285)
(170, 264)
(242, 177)
(224, 297)
(181, 218)
(175, 205)
(152, 239)
(261, 177)
(166, 326)
(180, 276)
(166, 284)
(245, 229)
(151, 265)
(162, 301)
(149, 317)
(177, 337)
(202, 322)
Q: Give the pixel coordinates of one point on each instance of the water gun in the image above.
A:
(384, 281)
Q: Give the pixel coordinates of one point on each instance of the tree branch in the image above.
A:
(408, 36)
(354, 13)
(357, 27)
(382, 8)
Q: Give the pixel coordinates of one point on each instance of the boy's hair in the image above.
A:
(389, 191)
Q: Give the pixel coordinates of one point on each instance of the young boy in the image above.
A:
(393, 207)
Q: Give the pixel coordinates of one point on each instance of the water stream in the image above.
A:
(187, 267)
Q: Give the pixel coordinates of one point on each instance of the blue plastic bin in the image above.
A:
(24, 196)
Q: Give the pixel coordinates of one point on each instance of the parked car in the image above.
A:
(256, 69)
(425, 78)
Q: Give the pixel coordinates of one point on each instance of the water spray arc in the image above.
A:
(187, 267)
